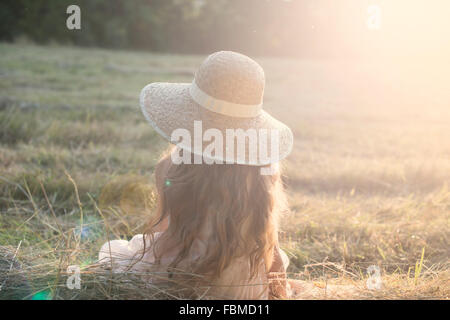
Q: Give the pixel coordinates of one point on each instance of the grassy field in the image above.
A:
(368, 179)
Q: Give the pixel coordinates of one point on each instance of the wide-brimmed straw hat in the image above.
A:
(226, 94)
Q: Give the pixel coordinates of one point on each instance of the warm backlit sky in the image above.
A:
(416, 27)
(407, 27)
(339, 28)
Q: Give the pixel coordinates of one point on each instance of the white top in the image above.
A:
(232, 284)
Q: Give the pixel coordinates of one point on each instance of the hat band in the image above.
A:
(223, 107)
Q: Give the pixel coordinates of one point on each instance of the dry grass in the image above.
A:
(367, 180)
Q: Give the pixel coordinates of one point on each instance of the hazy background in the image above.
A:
(296, 28)
(368, 178)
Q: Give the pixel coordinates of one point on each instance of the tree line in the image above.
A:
(262, 27)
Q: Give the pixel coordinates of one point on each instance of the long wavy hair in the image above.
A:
(240, 205)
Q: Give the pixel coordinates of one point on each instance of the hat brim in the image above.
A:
(169, 106)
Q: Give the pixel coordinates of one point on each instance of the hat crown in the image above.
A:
(232, 77)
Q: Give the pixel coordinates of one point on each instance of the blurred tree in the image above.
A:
(301, 28)
(10, 12)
